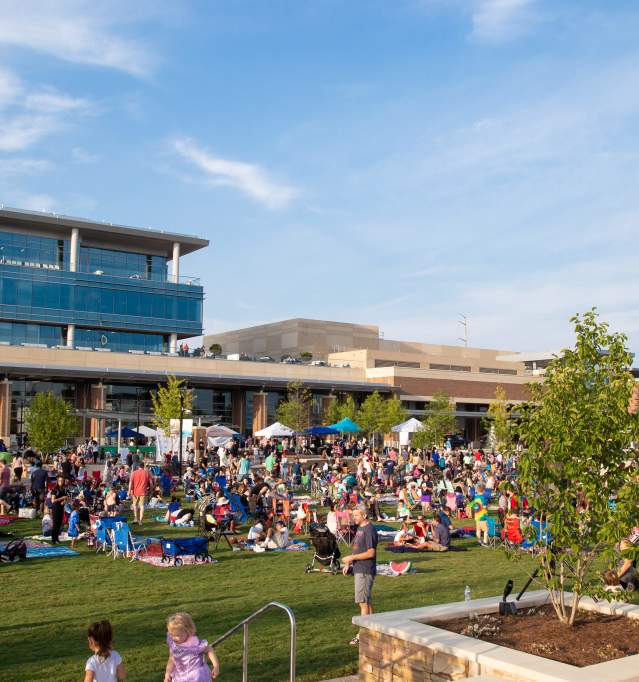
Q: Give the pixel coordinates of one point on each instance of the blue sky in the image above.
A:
(393, 163)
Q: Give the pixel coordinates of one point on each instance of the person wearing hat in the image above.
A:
(276, 537)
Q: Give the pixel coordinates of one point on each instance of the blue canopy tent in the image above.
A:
(320, 431)
(346, 425)
(126, 432)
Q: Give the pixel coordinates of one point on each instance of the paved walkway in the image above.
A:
(350, 678)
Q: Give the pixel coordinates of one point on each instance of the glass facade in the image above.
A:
(16, 333)
(217, 404)
(128, 397)
(117, 299)
(31, 251)
(120, 341)
(22, 393)
(122, 264)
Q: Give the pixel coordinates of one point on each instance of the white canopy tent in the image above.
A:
(276, 430)
(409, 426)
(218, 430)
(215, 442)
(405, 429)
(147, 431)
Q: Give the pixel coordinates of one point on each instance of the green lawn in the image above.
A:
(47, 604)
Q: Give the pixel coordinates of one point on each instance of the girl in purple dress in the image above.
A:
(187, 652)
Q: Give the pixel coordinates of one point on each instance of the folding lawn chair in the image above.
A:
(123, 542)
(103, 538)
(344, 530)
(494, 531)
(511, 534)
(236, 504)
(222, 530)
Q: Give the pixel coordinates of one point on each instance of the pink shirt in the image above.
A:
(140, 482)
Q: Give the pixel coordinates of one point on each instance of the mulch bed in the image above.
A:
(595, 637)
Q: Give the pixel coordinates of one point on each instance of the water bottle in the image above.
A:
(472, 614)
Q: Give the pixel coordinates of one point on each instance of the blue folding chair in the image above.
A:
(103, 527)
(236, 504)
(494, 531)
(123, 542)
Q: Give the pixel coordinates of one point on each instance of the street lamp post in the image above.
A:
(180, 433)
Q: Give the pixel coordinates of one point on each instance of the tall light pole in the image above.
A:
(180, 433)
(464, 324)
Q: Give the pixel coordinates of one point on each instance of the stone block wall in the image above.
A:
(383, 658)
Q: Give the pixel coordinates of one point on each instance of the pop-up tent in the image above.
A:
(320, 431)
(346, 425)
(147, 431)
(410, 426)
(218, 430)
(125, 432)
(276, 430)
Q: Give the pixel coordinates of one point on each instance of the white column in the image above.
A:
(71, 336)
(73, 251)
(176, 262)
(173, 343)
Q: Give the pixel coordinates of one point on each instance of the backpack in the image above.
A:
(14, 551)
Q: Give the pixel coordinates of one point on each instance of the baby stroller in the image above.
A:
(326, 550)
(179, 547)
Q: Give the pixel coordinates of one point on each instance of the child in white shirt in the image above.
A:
(106, 664)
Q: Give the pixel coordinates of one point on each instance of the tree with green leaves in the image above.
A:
(295, 411)
(498, 422)
(378, 415)
(576, 431)
(395, 413)
(306, 356)
(341, 408)
(166, 402)
(49, 421)
(438, 421)
(215, 349)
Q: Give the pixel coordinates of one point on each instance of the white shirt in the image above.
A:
(104, 669)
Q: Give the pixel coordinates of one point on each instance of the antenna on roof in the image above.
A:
(464, 324)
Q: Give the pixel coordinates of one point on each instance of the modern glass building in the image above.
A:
(81, 284)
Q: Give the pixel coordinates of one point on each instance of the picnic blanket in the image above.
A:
(40, 550)
(386, 570)
(407, 549)
(6, 522)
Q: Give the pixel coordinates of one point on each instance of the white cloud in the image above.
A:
(75, 31)
(246, 177)
(501, 20)
(23, 166)
(28, 114)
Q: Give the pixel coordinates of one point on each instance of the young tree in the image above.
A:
(166, 402)
(306, 356)
(341, 408)
(49, 422)
(498, 422)
(438, 421)
(215, 349)
(576, 430)
(371, 415)
(295, 412)
(395, 413)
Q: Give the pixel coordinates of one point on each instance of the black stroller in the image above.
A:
(326, 550)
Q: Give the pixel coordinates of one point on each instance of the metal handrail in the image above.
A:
(244, 625)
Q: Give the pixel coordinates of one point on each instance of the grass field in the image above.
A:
(47, 604)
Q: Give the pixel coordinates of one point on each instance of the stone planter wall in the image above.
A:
(402, 646)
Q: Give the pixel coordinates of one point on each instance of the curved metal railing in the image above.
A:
(244, 625)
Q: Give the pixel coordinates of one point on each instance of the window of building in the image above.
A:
(16, 333)
(23, 392)
(451, 368)
(122, 264)
(496, 370)
(396, 363)
(32, 251)
(120, 341)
